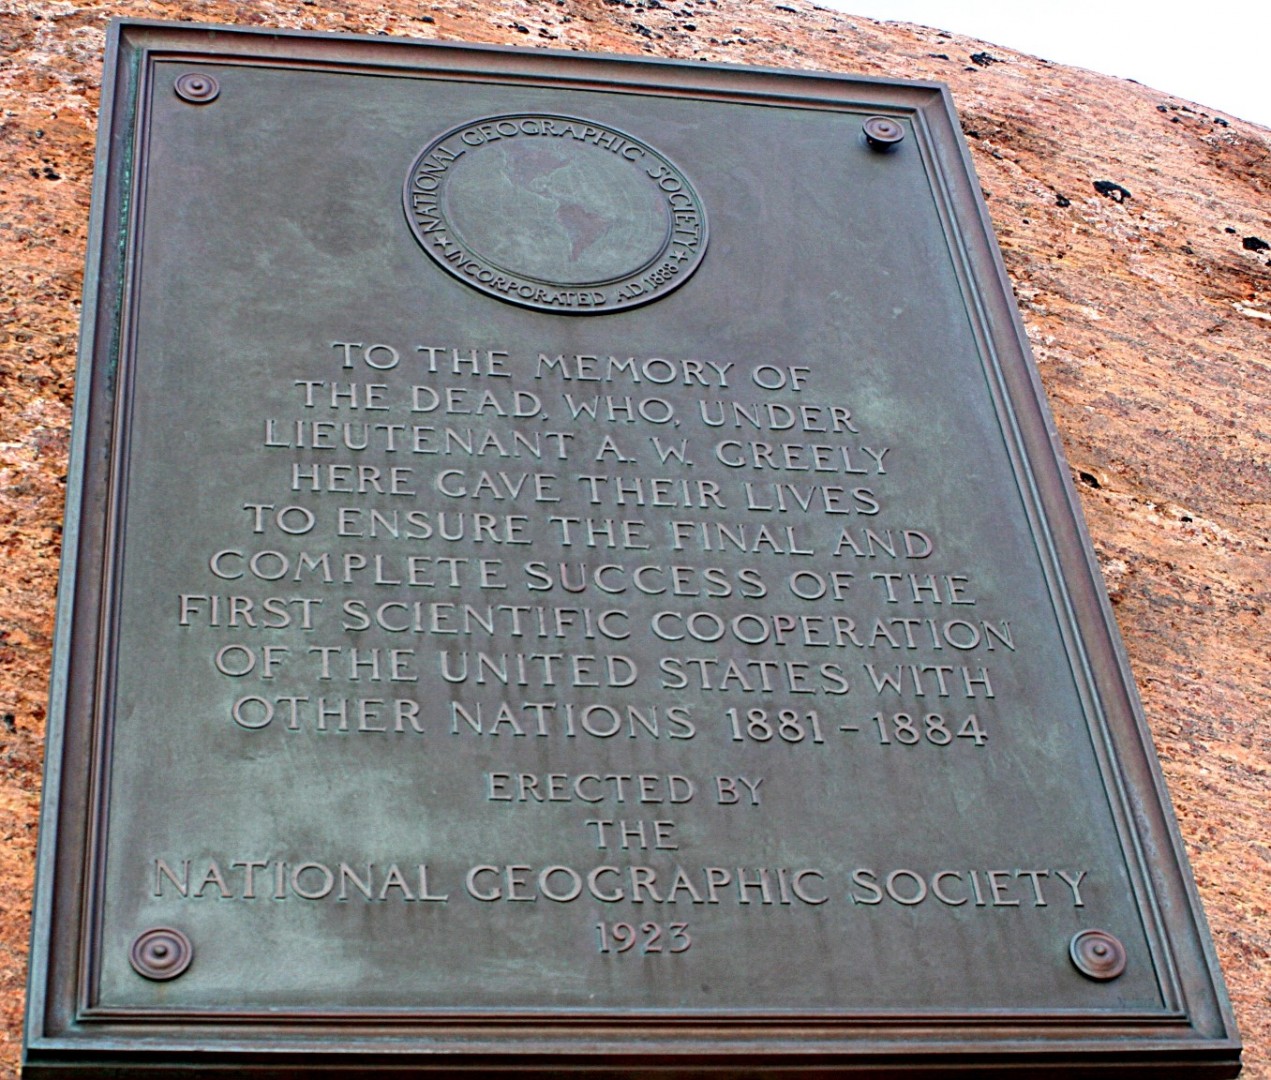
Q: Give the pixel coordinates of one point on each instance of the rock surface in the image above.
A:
(1135, 229)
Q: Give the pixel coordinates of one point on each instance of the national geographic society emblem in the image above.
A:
(555, 213)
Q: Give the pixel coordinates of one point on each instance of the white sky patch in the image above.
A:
(1216, 53)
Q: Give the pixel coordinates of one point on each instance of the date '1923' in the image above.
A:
(650, 937)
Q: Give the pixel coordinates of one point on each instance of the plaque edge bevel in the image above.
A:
(1134, 762)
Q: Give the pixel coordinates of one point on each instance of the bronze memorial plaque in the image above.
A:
(568, 568)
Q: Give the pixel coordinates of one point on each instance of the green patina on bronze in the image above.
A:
(498, 635)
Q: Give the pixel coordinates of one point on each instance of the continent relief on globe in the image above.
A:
(555, 213)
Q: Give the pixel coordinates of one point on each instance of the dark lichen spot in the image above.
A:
(1112, 191)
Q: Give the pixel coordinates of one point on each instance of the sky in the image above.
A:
(1214, 52)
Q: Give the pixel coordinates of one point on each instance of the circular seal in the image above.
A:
(555, 213)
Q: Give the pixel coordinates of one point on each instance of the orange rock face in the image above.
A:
(1134, 227)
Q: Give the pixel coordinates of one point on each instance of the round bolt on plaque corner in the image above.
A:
(1097, 954)
(161, 953)
(197, 87)
(555, 213)
(882, 133)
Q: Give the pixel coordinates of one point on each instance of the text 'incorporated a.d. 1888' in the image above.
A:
(569, 568)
